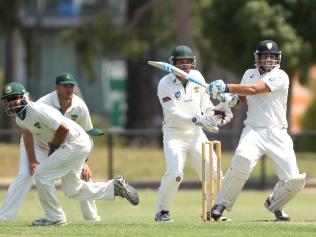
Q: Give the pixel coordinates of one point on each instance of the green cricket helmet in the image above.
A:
(182, 52)
(14, 98)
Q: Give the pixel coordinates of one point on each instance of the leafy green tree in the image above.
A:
(147, 28)
(234, 28)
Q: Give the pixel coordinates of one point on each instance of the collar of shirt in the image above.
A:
(177, 81)
(56, 102)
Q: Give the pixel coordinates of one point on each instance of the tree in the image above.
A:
(9, 27)
(146, 29)
(235, 28)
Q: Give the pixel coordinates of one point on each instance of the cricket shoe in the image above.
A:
(222, 218)
(279, 214)
(163, 216)
(217, 212)
(123, 189)
(45, 222)
(92, 220)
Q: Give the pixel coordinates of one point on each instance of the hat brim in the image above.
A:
(67, 83)
(11, 94)
(95, 132)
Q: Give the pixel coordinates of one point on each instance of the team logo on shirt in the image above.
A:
(177, 94)
(37, 125)
(196, 89)
(74, 117)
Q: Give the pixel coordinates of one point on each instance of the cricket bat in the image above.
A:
(172, 69)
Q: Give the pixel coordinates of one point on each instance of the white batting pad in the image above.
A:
(284, 191)
(234, 180)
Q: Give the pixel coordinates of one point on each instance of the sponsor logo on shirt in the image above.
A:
(177, 94)
(74, 117)
(166, 99)
(37, 125)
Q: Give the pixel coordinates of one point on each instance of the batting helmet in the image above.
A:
(182, 52)
(14, 98)
(267, 47)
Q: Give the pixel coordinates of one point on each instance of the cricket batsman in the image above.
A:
(265, 88)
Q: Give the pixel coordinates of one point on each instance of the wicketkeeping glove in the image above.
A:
(222, 114)
(206, 122)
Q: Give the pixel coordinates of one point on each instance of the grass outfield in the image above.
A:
(140, 163)
(119, 218)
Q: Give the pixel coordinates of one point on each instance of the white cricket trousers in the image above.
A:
(178, 145)
(66, 163)
(22, 184)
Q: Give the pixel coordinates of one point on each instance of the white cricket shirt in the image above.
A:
(180, 104)
(267, 109)
(78, 111)
(42, 121)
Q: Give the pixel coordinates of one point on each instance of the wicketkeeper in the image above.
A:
(187, 110)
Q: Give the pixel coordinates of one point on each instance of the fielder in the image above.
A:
(69, 146)
(186, 109)
(266, 89)
(73, 107)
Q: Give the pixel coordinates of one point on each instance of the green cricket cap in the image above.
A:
(65, 78)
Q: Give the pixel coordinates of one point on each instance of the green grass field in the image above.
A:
(119, 218)
(141, 163)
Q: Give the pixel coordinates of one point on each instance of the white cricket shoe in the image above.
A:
(279, 214)
(45, 222)
(163, 216)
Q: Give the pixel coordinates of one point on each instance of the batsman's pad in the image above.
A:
(234, 180)
(284, 191)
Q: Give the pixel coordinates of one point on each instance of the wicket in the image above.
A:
(211, 145)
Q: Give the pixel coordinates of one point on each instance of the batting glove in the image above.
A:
(217, 87)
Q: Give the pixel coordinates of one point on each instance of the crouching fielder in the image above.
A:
(265, 88)
(69, 146)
